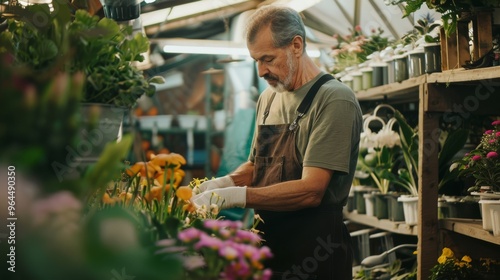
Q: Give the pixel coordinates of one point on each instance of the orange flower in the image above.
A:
(106, 199)
(148, 169)
(136, 168)
(164, 159)
(184, 193)
(154, 193)
(178, 176)
(189, 207)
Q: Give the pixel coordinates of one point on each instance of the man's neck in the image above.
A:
(306, 71)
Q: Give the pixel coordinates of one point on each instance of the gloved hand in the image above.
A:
(217, 183)
(228, 197)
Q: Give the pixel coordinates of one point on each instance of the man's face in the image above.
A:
(277, 66)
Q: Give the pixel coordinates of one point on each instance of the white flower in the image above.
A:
(388, 138)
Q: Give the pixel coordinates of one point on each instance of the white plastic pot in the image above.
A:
(410, 208)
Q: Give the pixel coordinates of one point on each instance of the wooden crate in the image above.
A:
(455, 50)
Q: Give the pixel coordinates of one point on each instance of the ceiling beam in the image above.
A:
(387, 23)
(159, 5)
(344, 12)
(313, 22)
(357, 13)
(409, 17)
(225, 12)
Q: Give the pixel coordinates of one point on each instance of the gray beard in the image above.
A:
(285, 85)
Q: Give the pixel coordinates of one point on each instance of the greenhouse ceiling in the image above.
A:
(219, 22)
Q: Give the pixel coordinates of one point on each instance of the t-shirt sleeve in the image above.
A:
(333, 135)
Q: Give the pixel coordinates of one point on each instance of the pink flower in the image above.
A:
(228, 252)
(357, 28)
(266, 274)
(265, 252)
(208, 242)
(497, 134)
(497, 122)
(492, 155)
(491, 141)
(246, 236)
(476, 157)
(189, 234)
(488, 132)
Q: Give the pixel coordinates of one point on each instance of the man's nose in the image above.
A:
(262, 69)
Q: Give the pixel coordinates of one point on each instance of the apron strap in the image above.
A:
(306, 102)
(268, 108)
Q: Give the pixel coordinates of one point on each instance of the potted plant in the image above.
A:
(483, 165)
(454, 141)
(450, 10)
(101, 48)
(104, 50)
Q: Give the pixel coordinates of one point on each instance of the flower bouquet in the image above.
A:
(220, 249)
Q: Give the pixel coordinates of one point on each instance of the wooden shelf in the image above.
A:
(461, 91)
(384, 224)
(405, 90)
(471, 228)
(463, 75)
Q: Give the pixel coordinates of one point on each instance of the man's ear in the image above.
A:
(297, 45)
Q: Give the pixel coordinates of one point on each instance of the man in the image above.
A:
(301, 165)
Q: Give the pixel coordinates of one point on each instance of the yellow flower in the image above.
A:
(442, 259)
(466, 259)
(447, 252)
(184, 193)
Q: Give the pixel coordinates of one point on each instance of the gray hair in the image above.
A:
(285, 24)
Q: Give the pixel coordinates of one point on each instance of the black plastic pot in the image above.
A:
(122, 10)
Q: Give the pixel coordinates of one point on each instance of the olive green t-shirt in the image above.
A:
(328, 134)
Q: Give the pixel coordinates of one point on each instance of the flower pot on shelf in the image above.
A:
(410, 208)
(490, 212)
(463, 208)
(381, 208)
(395, 210)
(359, 200)
(416, 63)
(103, 123)
(432, 57)
(369, 203)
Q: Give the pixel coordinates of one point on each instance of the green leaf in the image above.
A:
(109, 164)
(157, 80)
(453, 143)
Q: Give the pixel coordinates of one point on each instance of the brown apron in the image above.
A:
(311, 243)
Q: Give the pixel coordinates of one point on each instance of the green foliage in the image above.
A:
(450, 9)
(101, 48)
(41, 120)
(454, 141)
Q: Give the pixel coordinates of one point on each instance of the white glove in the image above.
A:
(217, 183)
(228, 197)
